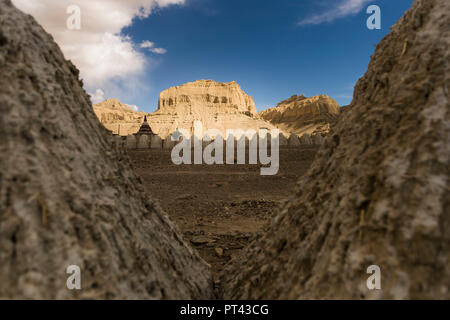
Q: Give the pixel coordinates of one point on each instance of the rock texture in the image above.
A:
(300, 115)
(218, 105)
(67, 197)
(118, 117)
(378, 191)
(215, 95)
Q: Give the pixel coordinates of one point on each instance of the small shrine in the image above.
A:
(145, 129)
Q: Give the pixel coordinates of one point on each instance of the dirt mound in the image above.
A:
(66, 196)
(377, 193)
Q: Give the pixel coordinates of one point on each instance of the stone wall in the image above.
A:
(157, 143)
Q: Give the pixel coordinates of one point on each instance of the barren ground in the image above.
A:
(219, 208)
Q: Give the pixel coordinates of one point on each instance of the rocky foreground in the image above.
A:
(67, 197)
(219, 209)
(378, 191)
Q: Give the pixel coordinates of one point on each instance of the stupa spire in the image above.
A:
(145, 128)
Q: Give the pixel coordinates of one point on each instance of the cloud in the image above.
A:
(343, 9)
(151, 47)
(147, 44)
(98, 96)
(158, 50)
(133, 107)
(106, 58)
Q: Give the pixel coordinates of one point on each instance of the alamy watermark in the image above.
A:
(374, 21)
(374, 281)
(74, 280)
(236, 146)
(74, 20)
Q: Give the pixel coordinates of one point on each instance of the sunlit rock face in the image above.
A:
(300, 115)
(118, 117)
(217, 105)
(217, 96)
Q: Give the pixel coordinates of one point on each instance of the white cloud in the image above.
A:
(151, 47)
(104, 56)
(133, 107)
(147, 44)
(98, 96)
(343, 9)
(158, 50)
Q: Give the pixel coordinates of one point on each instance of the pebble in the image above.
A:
(200, 240)
(219, 252)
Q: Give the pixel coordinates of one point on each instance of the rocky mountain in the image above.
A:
(300, 115)
(118, 117)
(67, 196)
(216, 96)
(218, 105)
(377, 192)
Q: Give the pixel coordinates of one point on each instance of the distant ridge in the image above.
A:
(300, 114)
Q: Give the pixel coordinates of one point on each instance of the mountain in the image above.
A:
(217, 105)
(300, 115)
(118, 117)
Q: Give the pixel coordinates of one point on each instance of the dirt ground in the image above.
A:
(219, 208)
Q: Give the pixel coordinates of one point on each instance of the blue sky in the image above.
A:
(261, 45)
(273, 49)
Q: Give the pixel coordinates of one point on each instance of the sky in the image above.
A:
(132, 50)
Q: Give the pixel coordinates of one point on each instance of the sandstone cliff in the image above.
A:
(377, 193)
(300, 115)
(67, 197)
(220, 97)
(218, 105)
(118, 117)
